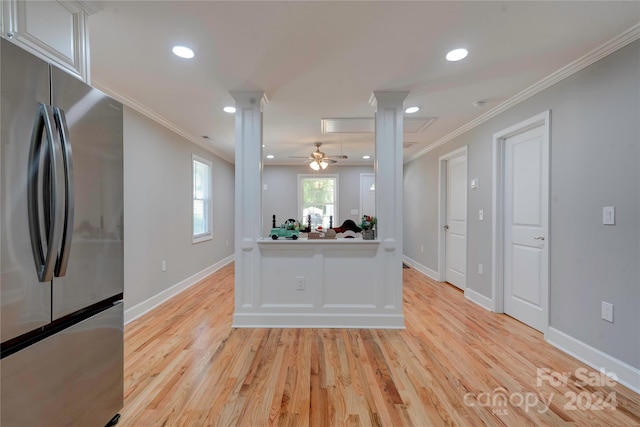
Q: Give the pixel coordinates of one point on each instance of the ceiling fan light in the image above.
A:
(314, 165)
(324, 164)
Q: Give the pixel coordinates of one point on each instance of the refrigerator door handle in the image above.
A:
(69, 202)
(45, 186)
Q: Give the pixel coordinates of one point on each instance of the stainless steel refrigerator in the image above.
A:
(61, 215)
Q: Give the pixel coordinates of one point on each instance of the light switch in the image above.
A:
(354, 211)
(475, 183)
(609, 215)
(481, 215)
(606, 311)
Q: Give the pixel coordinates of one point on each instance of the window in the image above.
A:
(202, 222)
(318, 197)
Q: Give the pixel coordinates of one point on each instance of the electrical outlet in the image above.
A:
(481, 215)
(480, 269)
(227, 243)
(607, 311)
(164, 265)
(300, 283)
(422, 249)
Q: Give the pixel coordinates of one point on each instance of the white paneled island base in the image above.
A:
(322, 283)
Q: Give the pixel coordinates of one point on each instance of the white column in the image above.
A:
(248, 196)
(389, 189)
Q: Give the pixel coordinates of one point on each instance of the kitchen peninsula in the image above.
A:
(307, 282)
(352, 283)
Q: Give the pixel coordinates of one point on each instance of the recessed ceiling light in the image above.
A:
(457, 55)
(229, 109)
(270, 156)
(367, 157)
(412, 110)
(263, 145)
(182, 52)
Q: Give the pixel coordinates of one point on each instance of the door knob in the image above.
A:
(538, 238)
(446, 227)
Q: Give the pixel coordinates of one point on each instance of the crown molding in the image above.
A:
(91, 7)
(250, 97)
(387, 96)
(618, 42)
(142, 109)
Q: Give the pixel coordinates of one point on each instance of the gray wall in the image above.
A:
(281, 196)
(595, 162)
(157, 209)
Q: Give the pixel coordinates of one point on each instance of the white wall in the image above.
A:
(595, 162)
(157, 210)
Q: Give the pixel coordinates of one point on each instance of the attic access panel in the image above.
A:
(367, 124)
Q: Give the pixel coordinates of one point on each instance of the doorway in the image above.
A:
(452, 263)
(367, 194)
(521, 222)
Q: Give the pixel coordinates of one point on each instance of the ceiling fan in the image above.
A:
(318, 159)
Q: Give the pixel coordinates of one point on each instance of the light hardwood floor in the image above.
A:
(454, 364)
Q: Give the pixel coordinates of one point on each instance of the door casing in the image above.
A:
(365, 177)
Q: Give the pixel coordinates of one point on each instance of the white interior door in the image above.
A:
(367, 194)
(526, 266)
(456, 222)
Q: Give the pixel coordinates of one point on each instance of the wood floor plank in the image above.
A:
(455, 364)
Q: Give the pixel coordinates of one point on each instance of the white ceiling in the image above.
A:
(321, 59)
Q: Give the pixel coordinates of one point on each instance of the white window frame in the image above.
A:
(302, 176)
(207, 235)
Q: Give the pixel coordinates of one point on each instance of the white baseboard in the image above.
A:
(318, 320)
(151, 303)
(478, 298)
(626, 374)
(470, 294)
(421, 268)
